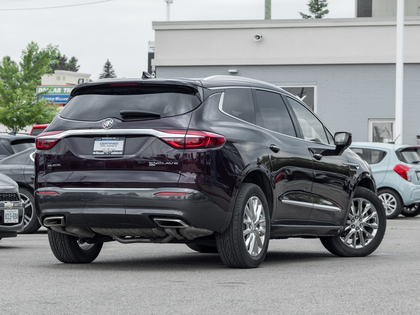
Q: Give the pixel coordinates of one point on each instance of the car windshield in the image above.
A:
(139, 102)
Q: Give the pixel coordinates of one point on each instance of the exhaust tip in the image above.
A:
(171, 223)
(54, 221)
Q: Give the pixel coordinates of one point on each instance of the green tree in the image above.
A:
(318, 8)
(60, 62)
(108, 71)
(19, 104)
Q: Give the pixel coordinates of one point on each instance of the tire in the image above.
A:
(31, 223)
(392, 203)
(411, 211)
(364, 229)
(68, 249)
(206, 249)
(244, 244)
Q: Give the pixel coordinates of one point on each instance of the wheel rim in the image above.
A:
(362, 224)
(411, 209)
(389, 202)
(254, 226)
(29, 209)
(84, 246)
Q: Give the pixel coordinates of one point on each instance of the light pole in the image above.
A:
(168, 3)
(399, 97)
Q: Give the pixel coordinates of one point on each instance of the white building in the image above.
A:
(343, 68)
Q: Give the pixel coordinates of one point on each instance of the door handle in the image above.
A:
(274, 148)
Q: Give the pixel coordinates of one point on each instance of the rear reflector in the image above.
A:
(47, 193)
(403, 171)
(193, 139)
(47, 140)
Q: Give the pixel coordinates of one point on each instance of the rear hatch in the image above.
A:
(118, 135)
(410, 156)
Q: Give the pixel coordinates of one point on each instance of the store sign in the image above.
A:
(55, 98)
(51, 90)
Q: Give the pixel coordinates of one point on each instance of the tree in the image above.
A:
(19, 104)
(61, 63)
(108, 71)
(317, 8)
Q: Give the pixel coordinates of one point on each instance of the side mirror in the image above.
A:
(342, 141)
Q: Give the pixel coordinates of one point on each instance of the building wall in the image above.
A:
(347, 95)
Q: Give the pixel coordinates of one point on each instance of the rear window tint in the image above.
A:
(369, 155)
(410, 156)
(101, 103)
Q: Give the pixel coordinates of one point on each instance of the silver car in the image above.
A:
(11, 208)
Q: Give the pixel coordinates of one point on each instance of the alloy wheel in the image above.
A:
(254, 226)
(362, 224)
(28, 209)
(389, 202)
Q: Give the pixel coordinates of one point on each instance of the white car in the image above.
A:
(11, 208)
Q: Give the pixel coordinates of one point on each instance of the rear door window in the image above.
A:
(410, 156)
(273, 114)
(106, 102)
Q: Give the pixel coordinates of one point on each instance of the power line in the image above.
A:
(56, 7)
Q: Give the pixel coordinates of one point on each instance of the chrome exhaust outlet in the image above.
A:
(54, 221)
(171, 223)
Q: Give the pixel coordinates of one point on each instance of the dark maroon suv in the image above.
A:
(222, 164)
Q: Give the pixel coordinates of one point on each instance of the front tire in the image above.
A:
(364, 229)
(411, 211)
(244, 244)
(69, 249)
(392, 203)
(31, 223)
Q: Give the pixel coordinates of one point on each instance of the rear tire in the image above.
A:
(244, 244)
(69, 249)
(206, 249)
(411, 211)
(392, 203)
(364, 229)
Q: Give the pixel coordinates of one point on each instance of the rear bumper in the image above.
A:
(130, 208)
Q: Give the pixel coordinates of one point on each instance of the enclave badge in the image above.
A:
(108, 123)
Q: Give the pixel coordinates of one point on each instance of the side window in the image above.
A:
(273, 113)
(369, 155)
(239, 103)
(312, 128)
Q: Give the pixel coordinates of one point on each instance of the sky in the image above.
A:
(119, 30)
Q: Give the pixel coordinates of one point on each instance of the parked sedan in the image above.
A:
(11, 144)
(20, 167)
(11, 208)
(396, 169)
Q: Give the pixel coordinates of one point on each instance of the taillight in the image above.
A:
(47, 140)
(192, 139)
(403, 171)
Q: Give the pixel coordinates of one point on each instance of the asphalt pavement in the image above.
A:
(298, 277)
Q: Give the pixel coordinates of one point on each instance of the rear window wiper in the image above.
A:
(138, 114)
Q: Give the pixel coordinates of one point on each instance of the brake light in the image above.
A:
(193, 139)
(47, 140)
(47, 193)
(403, 171)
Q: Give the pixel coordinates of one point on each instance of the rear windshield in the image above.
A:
(410, 156)
(101, 103)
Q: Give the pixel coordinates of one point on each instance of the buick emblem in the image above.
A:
(108, 123)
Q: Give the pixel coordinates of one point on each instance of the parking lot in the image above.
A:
(298, 277)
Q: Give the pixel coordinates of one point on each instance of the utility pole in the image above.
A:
(168, 8)
(399, 96)
(268, 9)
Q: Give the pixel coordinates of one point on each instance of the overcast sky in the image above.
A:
(119, 30)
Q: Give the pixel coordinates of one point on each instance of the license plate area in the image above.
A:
(11, 216)
(108, 146)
